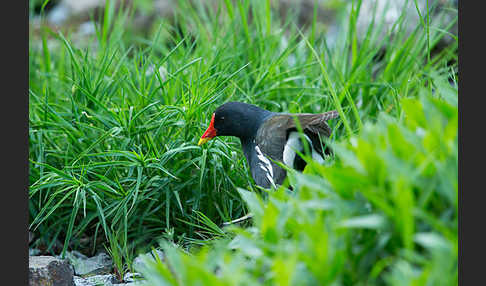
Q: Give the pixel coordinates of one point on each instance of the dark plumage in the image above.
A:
(264, 134)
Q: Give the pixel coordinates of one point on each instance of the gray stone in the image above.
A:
(49, 270)
(392, 10)
(132, 277)
(84, 266)
(87, 28)
(69, 8)
(138, 262)
(75, 255)
(304, 9)
(34, 251)
(59, 14)
(107, 280)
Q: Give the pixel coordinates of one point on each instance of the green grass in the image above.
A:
(385, 213)
(114, 122)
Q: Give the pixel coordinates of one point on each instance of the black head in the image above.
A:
(235, 119)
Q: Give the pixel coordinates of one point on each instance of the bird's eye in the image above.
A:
(222, 117)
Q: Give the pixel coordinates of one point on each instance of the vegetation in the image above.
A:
(115, 120)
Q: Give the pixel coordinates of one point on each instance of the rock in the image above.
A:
(87, 28)
(392, 10)
(138, 262)
(131, 277)
(78, 7)
(304, 9)
(49, 270)
(69, 8)
(84, 266)
(34, 251)
(59, 14)
(107, 280)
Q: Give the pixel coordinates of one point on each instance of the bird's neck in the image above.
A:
(253, 120)
(248, 146)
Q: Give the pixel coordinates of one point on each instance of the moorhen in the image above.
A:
(265, 134)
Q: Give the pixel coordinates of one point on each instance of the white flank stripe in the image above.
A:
(264, 159)
(265, 165)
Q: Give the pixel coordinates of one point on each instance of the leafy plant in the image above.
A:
(121, 254)
(114, 119)
(384, 213)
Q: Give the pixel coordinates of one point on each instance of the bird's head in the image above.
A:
(234, 119)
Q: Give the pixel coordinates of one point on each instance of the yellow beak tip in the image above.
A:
(202, 141)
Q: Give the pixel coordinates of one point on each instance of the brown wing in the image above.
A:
(316, 127)
(272, 135)
(316, 123)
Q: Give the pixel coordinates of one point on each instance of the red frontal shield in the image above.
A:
(209, 134)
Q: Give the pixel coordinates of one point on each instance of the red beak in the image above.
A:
(209, 134)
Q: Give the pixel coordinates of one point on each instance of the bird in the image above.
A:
(268, 136)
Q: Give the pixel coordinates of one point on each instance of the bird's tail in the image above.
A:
(329, 115)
